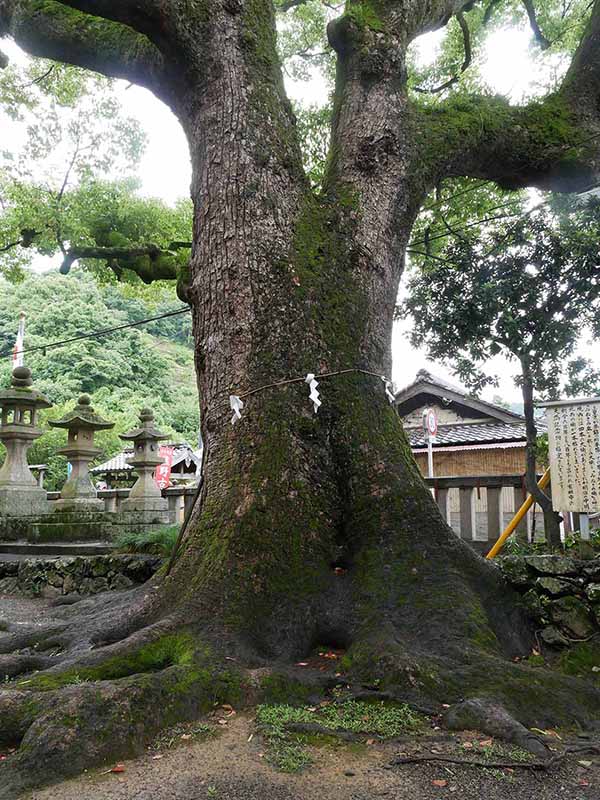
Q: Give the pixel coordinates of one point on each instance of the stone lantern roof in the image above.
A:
(147, 431)
(82, 416)
(21, 391)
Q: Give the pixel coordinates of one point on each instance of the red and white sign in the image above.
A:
(430, 423)
(162, 476)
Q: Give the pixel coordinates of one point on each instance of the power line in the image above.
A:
(97, 334)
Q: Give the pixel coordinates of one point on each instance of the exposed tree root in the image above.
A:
(480, 762)
(100, 682)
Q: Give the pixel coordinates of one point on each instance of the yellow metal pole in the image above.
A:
(544, 481)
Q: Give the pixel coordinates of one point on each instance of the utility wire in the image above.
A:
(97, 334)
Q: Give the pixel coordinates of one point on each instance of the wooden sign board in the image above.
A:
(574, 450)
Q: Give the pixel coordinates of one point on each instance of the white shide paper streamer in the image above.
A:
(314, 394)
(236, 406)
(388, 389)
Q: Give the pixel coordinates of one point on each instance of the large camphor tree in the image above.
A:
(309, 528)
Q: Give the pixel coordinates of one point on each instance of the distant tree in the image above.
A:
(525, 289)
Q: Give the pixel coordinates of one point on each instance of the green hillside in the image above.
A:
(148, 366)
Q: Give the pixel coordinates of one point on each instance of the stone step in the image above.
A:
(10, 550)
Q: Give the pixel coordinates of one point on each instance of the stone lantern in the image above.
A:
(145, 494)
(19, 493)
(81, 424)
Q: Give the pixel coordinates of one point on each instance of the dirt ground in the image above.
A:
(233, 764)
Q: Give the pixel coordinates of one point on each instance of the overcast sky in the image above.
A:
(165, 167)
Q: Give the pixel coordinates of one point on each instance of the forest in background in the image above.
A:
(151, 365)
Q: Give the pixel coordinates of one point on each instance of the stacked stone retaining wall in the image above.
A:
(560, 593)
(82, 575)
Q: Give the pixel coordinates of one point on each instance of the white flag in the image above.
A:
(236, 406)
(314, 394)
(18, 355)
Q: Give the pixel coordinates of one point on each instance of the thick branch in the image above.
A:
(539, 36)
(554, 143)
(149, 262)
(50, 30)
(423, 16)
(135, 13)
(149, 17)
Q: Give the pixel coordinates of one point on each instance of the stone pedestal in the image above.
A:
(145, 494)
(20, 494)
(79, 493)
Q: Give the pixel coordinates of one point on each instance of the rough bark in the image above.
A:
(309, 528)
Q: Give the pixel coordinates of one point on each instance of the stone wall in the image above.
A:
(561, 594)
(80, 526)
(83, 575)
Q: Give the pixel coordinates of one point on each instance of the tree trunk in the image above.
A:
(552, 519)
(284, 283)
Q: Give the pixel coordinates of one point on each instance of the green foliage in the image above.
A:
(524, 288)
(313, 129)
(286, 750)
(354, 716)
(71, 184)
(159, 542)
(122, 372)
(582, 660)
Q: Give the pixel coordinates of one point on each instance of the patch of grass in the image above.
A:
(582, 660)
(497, 751)
(379, 718)
(286, 749)
(159, 542)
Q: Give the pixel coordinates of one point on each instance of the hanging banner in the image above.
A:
(162, 476)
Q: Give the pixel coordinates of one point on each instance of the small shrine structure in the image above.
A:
(20, 495)
(82, 423)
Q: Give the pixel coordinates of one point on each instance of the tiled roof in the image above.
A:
(471, 433)
(119, 464)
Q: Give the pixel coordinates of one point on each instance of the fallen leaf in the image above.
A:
(116, 768)
(467, 745)
(186, 736)
(586, 764)
(583, 782)
(370, 741)
(155, 758)
(440, 783)
(222, 721)
(445, 705)
(486, 743)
